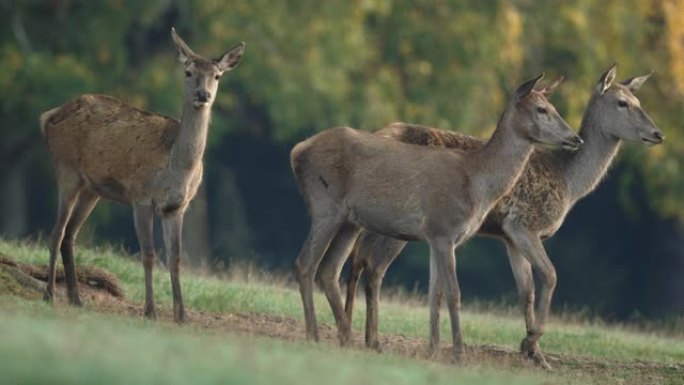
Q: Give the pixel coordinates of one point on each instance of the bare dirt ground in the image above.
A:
(99, 297)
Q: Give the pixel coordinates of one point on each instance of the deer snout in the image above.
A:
(202, 96)
(655, 137)
(658, 136)
(573, 143)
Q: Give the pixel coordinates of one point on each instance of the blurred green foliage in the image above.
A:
(312, 65)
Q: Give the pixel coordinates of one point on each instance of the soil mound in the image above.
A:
(28, 280)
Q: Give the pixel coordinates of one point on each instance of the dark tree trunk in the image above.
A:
(196, 237)
(229, 219)
(13, 209)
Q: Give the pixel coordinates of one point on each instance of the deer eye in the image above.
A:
(188, 74)
(217, 77)
(622, 103)
(541, 110)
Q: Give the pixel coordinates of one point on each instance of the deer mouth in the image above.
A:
(652, 141)
(572, 144)
(651, 137)
(199, 104)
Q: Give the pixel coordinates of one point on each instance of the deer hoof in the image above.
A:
(179, 313)
(150, 313)
(432, 352)
(530, 350)
(345, 341)
(539, 359)
(375, 346)
(48, 297)
(179, 318)
(458, 355)
(75, 300)
(312, 336)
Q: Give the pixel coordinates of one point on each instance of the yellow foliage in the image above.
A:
(510, 28)
(673, 11)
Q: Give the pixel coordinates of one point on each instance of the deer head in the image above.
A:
(537, 118)
(620, 112)
(201, 74)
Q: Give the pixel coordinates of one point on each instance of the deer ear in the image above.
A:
(636, 82)
(606, 79)
(551, 87)
(184, 51)
(527, 87)
(230, 59)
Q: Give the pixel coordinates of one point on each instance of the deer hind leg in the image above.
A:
(522, 272)
(172, 225)
(322, 232)
(531, 247)
(360, 258)
(87, 200)
(69, 186)
(143, 216)
(357, 267)
(435, 293)
(384, 251)
(442, 252)
(329, 274)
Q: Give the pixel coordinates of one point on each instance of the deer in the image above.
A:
(552, 182)
(349, 178)
(102, 147)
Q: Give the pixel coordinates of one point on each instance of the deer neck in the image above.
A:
(188, 148)
(585, 168)
(499, 164)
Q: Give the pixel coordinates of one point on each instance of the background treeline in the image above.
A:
(310, 65)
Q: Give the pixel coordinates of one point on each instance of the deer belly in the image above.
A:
(110, 188)
(407, 226)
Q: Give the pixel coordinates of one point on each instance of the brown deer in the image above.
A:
(353, 180)
(103, 147)
(551, 184)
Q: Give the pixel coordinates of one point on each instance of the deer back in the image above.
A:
(538, 196)
(108, 140)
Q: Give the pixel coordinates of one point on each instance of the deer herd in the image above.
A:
(367, 193)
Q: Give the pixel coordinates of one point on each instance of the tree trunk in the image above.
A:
(13, 209)
(196, 237)
(675, 288)
(229, 219)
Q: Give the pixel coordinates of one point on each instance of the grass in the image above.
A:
(186, 351)
(72, 346)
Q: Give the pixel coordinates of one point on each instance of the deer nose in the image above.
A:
(203, 96)
(576, 140)
(573, 143)
(658, 135)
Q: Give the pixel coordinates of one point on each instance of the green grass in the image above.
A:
(72, 346)
(146, 344)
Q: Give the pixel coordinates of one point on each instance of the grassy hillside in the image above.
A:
(77, 347)
(224, 340)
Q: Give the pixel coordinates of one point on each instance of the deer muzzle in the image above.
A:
(572, 143)
(202, 96)
(656, 137)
